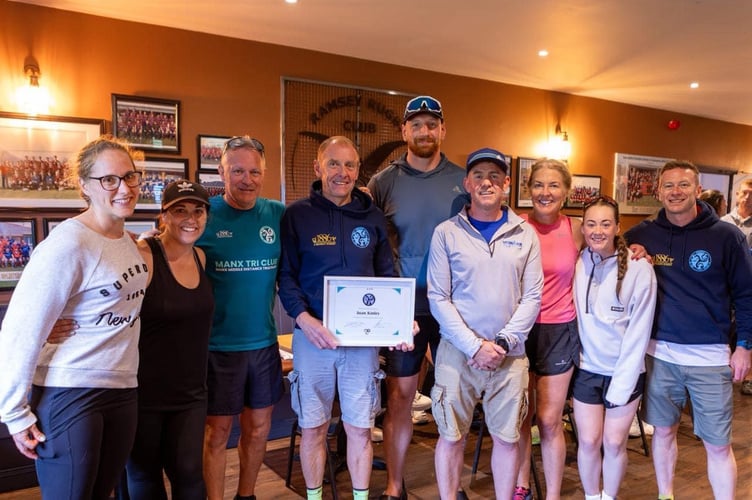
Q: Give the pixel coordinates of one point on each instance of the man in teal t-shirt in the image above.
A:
(244, 376)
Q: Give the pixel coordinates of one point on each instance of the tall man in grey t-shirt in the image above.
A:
(416, 193)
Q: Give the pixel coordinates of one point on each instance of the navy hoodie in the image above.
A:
(702, 269)
(320, 238)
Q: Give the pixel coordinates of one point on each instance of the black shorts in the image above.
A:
(407, 364)
(553, 348)
(591, 388)
(251, 379)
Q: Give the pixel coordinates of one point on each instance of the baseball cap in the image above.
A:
(182, 190)
(487, 154)
(423, 104)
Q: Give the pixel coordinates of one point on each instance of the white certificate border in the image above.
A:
(406, 321)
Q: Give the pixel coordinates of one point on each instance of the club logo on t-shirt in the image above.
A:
(700, 261)
(267, 235)
(360, 237)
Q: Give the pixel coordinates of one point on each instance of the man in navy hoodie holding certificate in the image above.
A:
(703, 267)
(336, 231)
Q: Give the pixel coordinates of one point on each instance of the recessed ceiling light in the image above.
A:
(694, 85)
(542, 53)
(291, 1)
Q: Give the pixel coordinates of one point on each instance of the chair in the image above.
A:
(334, 432)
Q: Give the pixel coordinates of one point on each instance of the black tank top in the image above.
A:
(174, 343)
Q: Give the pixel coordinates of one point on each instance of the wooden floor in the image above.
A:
(638, 484)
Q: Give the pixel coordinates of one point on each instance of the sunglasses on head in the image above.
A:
(423, 103)
(243, 141)
(602, 199)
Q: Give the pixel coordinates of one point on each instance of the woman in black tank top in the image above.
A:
(176, 318)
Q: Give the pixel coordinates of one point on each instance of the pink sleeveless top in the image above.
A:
(558, 255)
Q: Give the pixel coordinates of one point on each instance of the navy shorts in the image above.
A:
(407, 364)
(251, 379)
(553, 348)
(591, 388)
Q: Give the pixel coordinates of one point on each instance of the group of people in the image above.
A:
(516, 309)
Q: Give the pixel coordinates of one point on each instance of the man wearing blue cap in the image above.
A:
(415, 192)
(485, 282)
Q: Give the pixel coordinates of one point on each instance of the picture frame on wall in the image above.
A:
(522, 196)
(36, 154)
(584, 189)
(17, 240)
(147, 123)
(158, 172)
(211, 181)
(50, 223)
(209, 150)
(636, 182)
(140, 225)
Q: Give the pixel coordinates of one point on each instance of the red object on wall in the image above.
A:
(674, 124)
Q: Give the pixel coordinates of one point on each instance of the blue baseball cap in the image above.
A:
(487, 154)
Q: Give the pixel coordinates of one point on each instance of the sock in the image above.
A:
(241, 497)
(593, 497)
(606, 496)
(315, 493)
(666, 497)
(360, 494)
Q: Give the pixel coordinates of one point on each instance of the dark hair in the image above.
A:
(714, 198)
(622, 252)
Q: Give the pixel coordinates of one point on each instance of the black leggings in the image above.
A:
(89, 434)
(173, 441)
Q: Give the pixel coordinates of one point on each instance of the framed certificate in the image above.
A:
(367, 311)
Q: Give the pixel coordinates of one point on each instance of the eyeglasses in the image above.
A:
(423, 104)
(112, 182)
(243, 141)
(600, 200)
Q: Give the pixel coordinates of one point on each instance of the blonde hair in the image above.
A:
(87, 156)
(556, 165)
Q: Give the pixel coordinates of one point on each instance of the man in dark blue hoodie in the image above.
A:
(703, 266)
(336, 231)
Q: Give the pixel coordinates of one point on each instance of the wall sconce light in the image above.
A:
(559, 148)
(31, 98)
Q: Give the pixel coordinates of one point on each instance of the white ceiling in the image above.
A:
(643, 52)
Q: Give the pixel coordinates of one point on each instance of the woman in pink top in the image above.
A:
(553, 346)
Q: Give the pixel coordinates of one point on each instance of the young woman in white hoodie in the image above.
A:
(615, 300)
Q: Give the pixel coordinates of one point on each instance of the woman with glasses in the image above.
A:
(80, 416)
(176, 319)
(615, 299)
(552, 346)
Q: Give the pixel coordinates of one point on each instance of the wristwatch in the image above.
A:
(503, 343)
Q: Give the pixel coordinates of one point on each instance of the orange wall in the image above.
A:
(228, 86)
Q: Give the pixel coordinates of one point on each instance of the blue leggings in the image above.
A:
(89, 435)
(173, 441)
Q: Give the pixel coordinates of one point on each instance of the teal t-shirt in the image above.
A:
(242, 254)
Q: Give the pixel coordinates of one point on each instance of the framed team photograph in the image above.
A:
(636, 182)
(210, 151)
(584, 189)
(522, 196)
(211, 182)
(147, 123)
(17, 240)
(36, 154)
(158, 172)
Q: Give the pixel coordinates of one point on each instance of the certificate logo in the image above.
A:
(360, 237)
(369, 299)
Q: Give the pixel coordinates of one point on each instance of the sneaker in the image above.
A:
(377, 435)
(747, 387)
(420, 418)
(421, 402)
(522, 493)
(634, 428)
